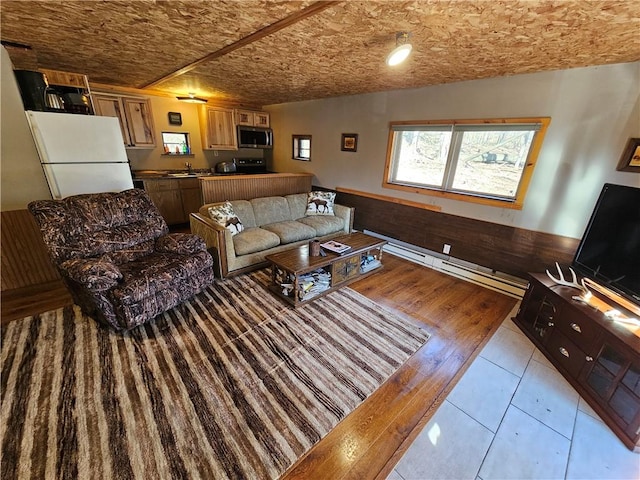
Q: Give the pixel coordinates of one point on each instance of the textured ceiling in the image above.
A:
(338, 50)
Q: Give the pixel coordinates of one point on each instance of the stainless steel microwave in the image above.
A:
(254, 137)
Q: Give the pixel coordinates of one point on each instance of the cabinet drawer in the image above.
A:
(577, 328)
(161, 185)
(345, 269)
(567, 354)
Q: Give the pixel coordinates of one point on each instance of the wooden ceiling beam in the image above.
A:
(311, 10)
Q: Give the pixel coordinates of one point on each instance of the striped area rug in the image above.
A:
(231, 384)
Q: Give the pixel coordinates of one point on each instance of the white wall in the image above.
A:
(20, 170)
(593, 113)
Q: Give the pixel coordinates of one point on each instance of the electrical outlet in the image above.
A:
(215, 153)
(446, 249)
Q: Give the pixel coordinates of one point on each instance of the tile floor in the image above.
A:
(513, 416)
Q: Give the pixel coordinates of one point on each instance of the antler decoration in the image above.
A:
(573, 283)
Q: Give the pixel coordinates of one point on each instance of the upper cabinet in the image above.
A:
(68, 92)
(66, 79)
(252, 118)
(134, 114)
(217, 128)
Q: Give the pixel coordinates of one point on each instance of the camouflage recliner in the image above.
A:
(117, 258)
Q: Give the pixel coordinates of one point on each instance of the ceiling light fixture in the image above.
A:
(192, 99)
(402, 50)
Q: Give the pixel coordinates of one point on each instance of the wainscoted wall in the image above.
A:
(25, 260)
(511, 250)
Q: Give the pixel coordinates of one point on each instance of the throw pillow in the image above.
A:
(320, 203)
(223, 215)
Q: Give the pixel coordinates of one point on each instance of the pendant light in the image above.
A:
(192, 99)
(402, 50)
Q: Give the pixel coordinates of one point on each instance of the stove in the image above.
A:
(250, 165)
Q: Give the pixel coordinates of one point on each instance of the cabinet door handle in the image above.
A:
(550, 324)
(588, 358)
(576, 327)
(564, 351)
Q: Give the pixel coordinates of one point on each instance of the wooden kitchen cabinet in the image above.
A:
(217, 127)
(135, 116)
(60, 83)
(175, 198)
(191, 197)
(252, 118)
(598, 356)
(67, 79)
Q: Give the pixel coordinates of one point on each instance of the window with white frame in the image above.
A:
(485, 161)
(301, 147)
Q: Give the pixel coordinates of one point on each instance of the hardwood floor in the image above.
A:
(22, 302)
(459, 316)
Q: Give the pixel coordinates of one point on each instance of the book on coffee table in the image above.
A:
(334, 246)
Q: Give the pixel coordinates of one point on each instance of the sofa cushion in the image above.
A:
(324, 224)
(297, 204)
(270, 210)
(254, 240)
(291, 231)
(224, 216)
(320, 203)
(244, 210)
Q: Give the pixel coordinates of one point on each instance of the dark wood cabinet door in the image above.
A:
(614, 380)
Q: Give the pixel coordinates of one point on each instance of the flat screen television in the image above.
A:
(609, 251)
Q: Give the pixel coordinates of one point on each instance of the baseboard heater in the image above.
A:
(499, 282)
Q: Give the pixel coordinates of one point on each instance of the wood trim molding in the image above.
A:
(384, 198)
(118, 91)
(525, 179)
(309, 11)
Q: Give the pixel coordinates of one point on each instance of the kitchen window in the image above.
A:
(176, 143)
(482, 161)
(301, 147)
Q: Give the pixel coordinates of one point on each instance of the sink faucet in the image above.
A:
(188, 165)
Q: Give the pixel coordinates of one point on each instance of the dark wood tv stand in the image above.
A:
(597, 355)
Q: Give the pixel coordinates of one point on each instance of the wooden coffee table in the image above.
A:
(299, 278)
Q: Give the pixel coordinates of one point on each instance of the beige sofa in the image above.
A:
(270, 225)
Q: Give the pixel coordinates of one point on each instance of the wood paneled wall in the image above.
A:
(511, 250)
(244, 187)
(24, 257)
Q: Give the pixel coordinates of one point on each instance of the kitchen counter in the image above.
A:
(151, 174)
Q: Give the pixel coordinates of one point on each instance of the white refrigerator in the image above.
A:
(80, 153)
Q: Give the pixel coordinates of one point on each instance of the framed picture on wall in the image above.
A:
(630, 159)
(349, 142)
(175, 118)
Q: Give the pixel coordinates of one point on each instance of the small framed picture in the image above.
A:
(349, 142)
(175, 118)
(630, 159)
